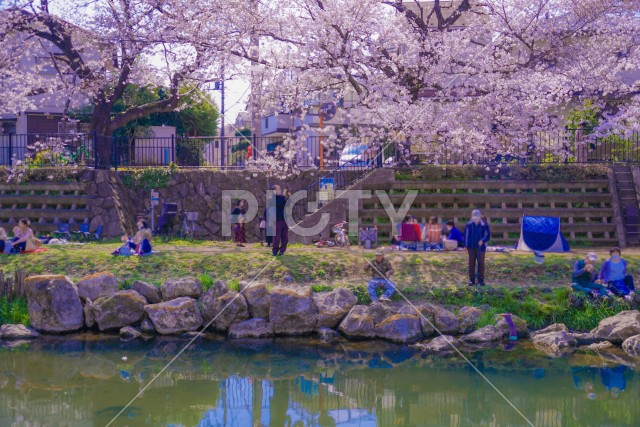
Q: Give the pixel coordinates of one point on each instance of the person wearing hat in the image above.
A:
(381, 270)
(613, 275)
(476, 237)
(585, 277)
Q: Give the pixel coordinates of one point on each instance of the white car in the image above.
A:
(354, 155)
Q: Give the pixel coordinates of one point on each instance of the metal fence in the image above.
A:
(569, 146)
(41, 150)
(357, 154)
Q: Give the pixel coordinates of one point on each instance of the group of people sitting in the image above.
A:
(432, 234)
(612, 279)
(24, 240)
(139, 244)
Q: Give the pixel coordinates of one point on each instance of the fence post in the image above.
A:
(173, 149)
(95, 149)
(253, 149)
(1, 283)
(114, 148)
(18, 280)
(10, 149)
(222, 157)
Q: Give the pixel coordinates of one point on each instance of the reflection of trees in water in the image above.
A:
(222, 385)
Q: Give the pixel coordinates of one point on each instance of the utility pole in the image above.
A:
(222, 85)
(256, 130)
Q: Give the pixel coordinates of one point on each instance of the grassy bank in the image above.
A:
(538, 293)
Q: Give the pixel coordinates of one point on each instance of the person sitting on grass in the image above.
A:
(613, 274)
(454, 234)
(381, 270)
(23, 234)
(585, 278)
(142, 239)
(3, 237)
(433, 234)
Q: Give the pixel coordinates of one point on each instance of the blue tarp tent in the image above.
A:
(542, 233)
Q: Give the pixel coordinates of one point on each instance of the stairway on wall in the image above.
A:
(44, 204)
(628, 198)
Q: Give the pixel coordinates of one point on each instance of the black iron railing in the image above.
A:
(353, 154)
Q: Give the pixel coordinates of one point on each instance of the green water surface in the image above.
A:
(86, 381)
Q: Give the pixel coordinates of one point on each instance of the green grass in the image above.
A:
(537, 293)
(539, 309)
(14, 312)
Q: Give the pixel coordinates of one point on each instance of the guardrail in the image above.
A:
(238, 152)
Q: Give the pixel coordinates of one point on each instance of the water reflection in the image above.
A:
(83, 382)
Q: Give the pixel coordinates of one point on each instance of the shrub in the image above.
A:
(148, 178)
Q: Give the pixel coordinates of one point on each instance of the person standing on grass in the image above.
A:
(281, 238)
(381, 270)
(239, 233)
(476, 237)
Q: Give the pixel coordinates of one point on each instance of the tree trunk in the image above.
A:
(100, 122)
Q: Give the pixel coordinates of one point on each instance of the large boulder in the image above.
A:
(53, 304)
(381, 310)
(122, 309)
(147, 290)
(468, 318)
(176, 316)
(184, 287)
(631, 345)
(358, 323)
(224, 310)
(97, 286)
(333, 306)
(619, 327)
(425, 314)
(442, 344)
(251, 328)
(445, 321)
(257, 299)
(521, 325)
(17, 332)
(400, 328)
(483, 335)
(556, 327)
(292, 310)
(554, 341)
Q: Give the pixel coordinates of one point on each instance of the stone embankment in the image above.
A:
(57, 305)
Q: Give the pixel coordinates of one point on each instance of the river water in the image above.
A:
(86, 381)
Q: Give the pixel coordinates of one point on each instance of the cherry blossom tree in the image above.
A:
(98, 48)
(465, 79)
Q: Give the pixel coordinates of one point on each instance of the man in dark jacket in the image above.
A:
(476, 237)
(281, 237)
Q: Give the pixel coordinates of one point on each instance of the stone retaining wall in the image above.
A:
(57, 305)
